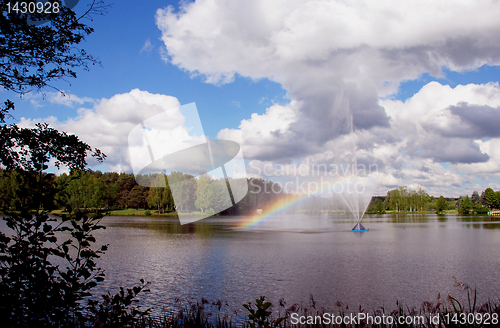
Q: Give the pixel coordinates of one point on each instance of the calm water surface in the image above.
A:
(410, 258)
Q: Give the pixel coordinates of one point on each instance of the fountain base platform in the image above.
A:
(359, 227)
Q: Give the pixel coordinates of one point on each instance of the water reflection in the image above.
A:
(168, 226)
(410, 258)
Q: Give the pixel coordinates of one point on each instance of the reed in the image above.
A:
(461, 310)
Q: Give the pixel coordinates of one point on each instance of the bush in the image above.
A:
(48, 266)
(41, 292)
(481, 210)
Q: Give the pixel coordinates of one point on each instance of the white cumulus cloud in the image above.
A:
(337, 59)
(106, 126)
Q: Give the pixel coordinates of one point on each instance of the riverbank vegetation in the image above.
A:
(121, 194)
(407, 200)
(451, 311)
(85, 190)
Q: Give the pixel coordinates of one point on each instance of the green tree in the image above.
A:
(156, 194)
(387, 201)
(183, 186)
(125, 182)
(484, 200)
(167, 197)
(423, 198)
(379, 207)
(220, 195)
(31, 55)
(441, 204)
(475, 197)
(82, 191)
(204, 193)
(465, 205)
(9, 185)
(491, 198)
(136, 197)
(376, 206)
(404, 199)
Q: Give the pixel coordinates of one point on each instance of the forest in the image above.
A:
(87, 191)
(404, 199)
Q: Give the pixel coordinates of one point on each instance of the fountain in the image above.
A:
(351, 193)
(359, 227)
(355, 199)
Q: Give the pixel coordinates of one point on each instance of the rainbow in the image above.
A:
(287, 203)
(279, 206)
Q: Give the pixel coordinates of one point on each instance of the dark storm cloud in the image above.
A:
(450, 150)
(478, 121)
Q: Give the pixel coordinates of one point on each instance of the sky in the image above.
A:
(283, 78)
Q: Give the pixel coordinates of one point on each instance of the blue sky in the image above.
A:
(118, 42)
(300, 70)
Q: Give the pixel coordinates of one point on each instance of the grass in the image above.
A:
(452, 211)
(142, 212)
(135, 212)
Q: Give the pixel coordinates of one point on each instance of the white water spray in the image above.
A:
(358, 191)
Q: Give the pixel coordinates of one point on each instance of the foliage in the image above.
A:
(483, 199)
(491, 198)
(160, 195)
(44, 279)
(96, 190)
(47, 266)
(184, 186)
(404, 199)
(475, 197)
(376, 206)
(137, 197)
(261, 316)
(465, 205)
(441, 204)
(31, 149)
(479, 209)
(90, 190)
(80, 191)
(31, 56)
(116, 311)
(204, 193)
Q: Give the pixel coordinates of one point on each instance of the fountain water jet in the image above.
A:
(355, 199)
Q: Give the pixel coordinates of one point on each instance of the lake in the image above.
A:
(410, 258)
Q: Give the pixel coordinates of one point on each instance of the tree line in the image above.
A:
(487, 201)
(87, 190)
(404, 199)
